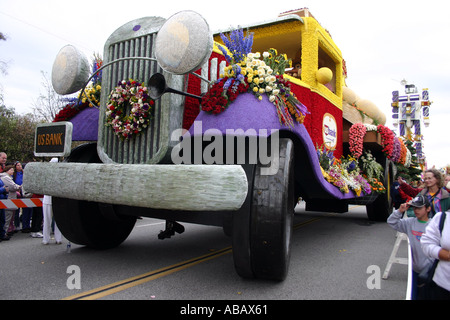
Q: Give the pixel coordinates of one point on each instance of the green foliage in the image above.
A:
(370, 167)
(17, 135)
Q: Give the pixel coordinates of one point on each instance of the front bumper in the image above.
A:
(171, 187)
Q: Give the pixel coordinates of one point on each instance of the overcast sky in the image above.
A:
(382, 42)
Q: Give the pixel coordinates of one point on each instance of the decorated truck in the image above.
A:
(229, 129)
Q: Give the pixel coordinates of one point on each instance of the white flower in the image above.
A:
(268, 88)
(266, 54)
(257, 55)
(272, 98)
(276, 91)
(370, 127)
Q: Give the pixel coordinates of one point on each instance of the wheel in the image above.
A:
(262, 230)
(83, 222)
(89, 223)
(381, 208)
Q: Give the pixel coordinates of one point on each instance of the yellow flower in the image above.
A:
(255, 89)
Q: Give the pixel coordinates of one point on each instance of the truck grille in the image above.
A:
(147, 146)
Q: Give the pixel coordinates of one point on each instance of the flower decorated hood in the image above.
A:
(253, 116)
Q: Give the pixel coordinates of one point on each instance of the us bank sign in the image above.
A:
(53, 139)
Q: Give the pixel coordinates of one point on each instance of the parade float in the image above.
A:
(226, 129)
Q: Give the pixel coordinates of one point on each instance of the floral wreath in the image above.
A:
(134, 94)
(256, 73)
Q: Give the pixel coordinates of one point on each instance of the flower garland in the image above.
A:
(387, 139)
(217, 98)
(69, 111)
(396, 151)
(356, 139)
(408, 158)
(133, 94)
(247, 72)
(403, 152)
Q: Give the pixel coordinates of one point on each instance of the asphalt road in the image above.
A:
(334, 257)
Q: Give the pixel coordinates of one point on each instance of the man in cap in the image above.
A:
(414, 227)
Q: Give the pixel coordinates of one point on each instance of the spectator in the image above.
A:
(396, 196)
(447, 182)
(48, 217)
(36, 220)
(436, 245)
(3, 195)
(414, 228)
(26, 212)
(7, 179)
(3, 158)
(434, 191)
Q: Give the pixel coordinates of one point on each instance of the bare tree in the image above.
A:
(3, 64)
(49, 103)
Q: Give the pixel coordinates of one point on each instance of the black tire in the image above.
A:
(83, 222)
(262, 231)
(380, 209)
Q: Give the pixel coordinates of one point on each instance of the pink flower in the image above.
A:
(356, 139)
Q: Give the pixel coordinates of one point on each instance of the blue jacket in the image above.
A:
(3, 193)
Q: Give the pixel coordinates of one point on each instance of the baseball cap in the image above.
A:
(420, 201)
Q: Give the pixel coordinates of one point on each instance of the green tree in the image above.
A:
(411, 173)
(16, 134)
